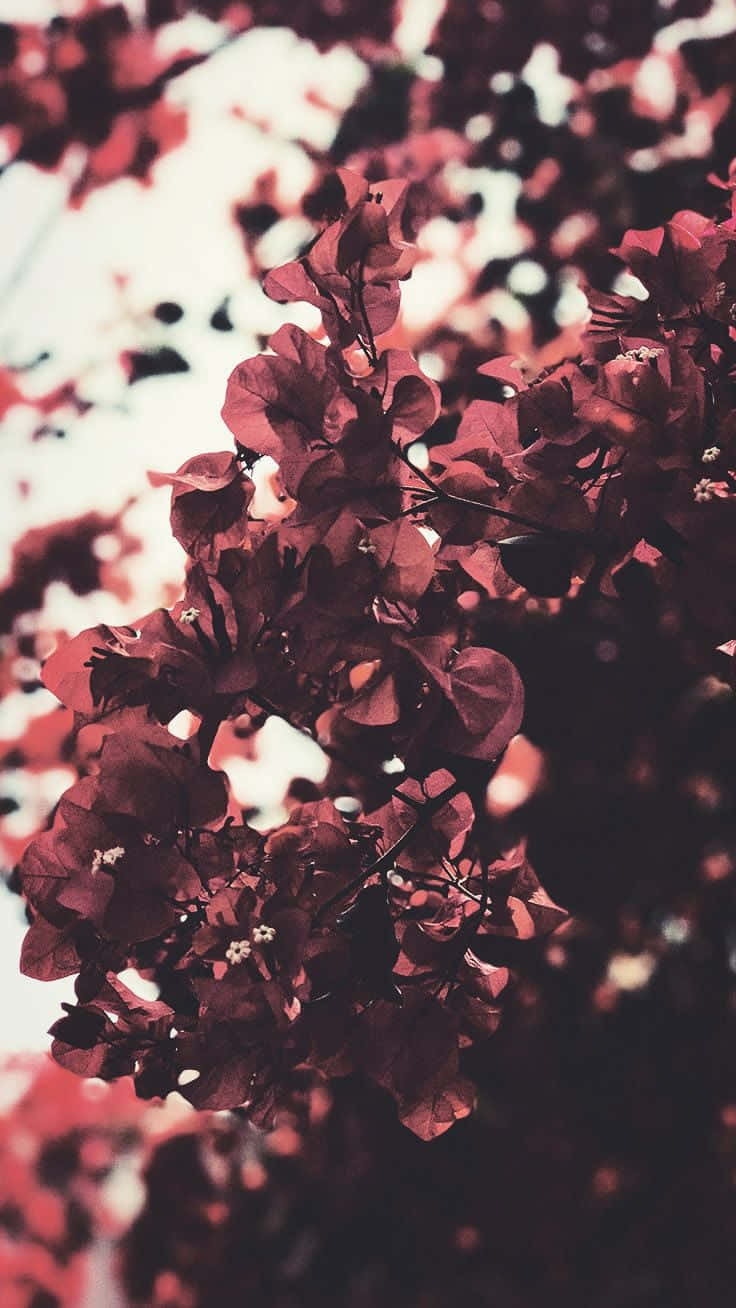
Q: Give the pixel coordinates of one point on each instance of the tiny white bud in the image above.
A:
(113, 856)
(642, 354)
(107, 856)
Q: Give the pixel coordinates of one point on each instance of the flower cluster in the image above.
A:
(377, 943)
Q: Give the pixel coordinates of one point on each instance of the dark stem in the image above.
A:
(369, 346)
(441, 494)
(208, 729)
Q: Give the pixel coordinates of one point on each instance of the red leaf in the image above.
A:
(48, 952)
(488, 698)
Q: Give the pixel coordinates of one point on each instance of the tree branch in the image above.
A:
(386, 860)
(462, 501)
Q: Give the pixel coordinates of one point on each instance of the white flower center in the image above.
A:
(237, 951)
(263, 934)
(107, 857)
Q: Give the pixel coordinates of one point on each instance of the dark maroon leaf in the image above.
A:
(541, 564)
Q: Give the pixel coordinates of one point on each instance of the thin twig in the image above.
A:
(371, 352)
(386, 860)
(462, 501)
